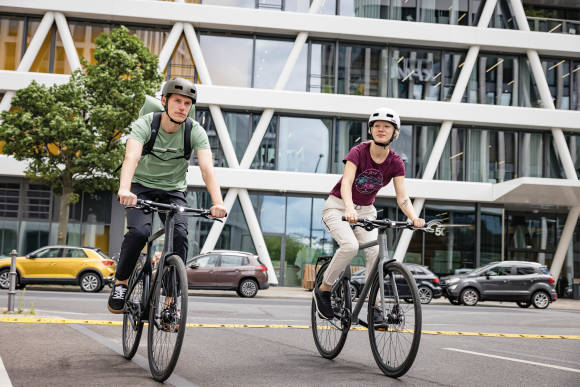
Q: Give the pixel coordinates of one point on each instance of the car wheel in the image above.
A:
(91, 282)
(469, 297)
(540, 299)
(353, 291)
(4, 279)
(454, 301)
(523, 304)
(248, 288)
(425, 294)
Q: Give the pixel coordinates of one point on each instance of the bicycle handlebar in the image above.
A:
(433, 227)
(155, 206)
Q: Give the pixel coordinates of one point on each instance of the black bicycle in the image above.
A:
(394, 326)
(157, 294)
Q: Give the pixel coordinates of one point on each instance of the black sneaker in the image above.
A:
(323, 303)
(117, 299)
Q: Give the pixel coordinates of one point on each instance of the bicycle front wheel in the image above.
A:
(167, 318)
(330, 335)
(134, 310)
(394, 326)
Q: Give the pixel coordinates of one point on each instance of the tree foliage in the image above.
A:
(70, 134)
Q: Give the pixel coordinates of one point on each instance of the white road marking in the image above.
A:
(4, 378)
(514, 360)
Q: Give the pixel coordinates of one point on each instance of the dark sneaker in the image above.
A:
(323, 303)
(117, 299)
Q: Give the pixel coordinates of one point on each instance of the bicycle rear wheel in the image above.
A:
(330, 335)
(167, 318)
(134, 309)
(395, 335)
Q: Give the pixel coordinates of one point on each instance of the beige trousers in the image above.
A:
(348, 239)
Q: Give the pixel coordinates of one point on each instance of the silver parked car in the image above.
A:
(526, 283)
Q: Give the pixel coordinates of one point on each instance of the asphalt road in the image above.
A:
(73, 354)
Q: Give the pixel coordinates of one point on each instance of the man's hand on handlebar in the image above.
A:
(127, 198)
(218, 211)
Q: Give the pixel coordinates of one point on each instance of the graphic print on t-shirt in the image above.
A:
(371, 180)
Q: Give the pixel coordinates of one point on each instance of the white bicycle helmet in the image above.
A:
(385, 114)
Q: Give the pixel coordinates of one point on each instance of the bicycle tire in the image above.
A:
(167, 318)
(132, 322)
(400, 334)
(330, 335)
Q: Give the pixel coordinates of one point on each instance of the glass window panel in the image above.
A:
(304, 144)
(266, 156)
(271, 213)
(491, 156)
(84, 36)
(503, 16)
(198, 227)
(404, 10)
(275, 5)
(362, 70)
(554, 167)
(376, 9)
(415, 73)
(444, 11)
(41, 62)
(426, 135)
(452, 64)
(33, 235)
(531, 236)
(271, 55)
(236, 234)
(297, 5)
(455, 249)
(37, 201)
(491, 232)
(322, 68)
(558, 76)
(9, 199)
(181, 64)
(8, 236)
(11, 34)
(154, 38)
(97, 207)
(96, 235)
(206, 121)
(231, 3)
(403, 145)
(348, 134)
(574, 146)
(229, 59)
(531, 154)
(575, 86)
(475, 9)
(494, 81)
(451, 164)
(530, 97)
(238, 125)
(328, 8)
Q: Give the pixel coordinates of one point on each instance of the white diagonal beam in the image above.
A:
(559, 141)
(30, 54)
(67, 41)
(443, 135)
(169, 46)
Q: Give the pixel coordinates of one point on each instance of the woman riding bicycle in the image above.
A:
(369, 166)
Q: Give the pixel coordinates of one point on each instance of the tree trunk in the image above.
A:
(63, 213)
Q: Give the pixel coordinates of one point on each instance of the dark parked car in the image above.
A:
(526, 283)
(227, 270)
(427, 283)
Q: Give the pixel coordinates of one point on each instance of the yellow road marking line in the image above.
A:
(49, 320)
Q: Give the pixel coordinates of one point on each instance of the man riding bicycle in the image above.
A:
(369, 167)
(148, 173)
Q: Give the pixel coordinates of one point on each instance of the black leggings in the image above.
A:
(139, 225)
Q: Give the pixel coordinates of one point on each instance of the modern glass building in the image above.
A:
(488, 92)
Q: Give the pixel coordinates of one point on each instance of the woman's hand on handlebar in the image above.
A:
(127, 198)
(351, 215)
(218, 211)
(418, 223)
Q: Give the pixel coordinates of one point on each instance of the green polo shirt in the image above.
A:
(165, 174)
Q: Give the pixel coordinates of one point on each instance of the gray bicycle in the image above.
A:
(394, 307)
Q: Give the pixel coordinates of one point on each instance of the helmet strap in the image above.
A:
(167, 112)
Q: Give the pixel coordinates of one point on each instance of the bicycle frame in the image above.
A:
(382, 258)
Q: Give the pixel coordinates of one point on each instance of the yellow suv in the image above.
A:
(66, 265)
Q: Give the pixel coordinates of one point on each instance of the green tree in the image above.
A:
(70, 134)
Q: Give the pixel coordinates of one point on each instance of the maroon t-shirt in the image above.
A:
(370, 177)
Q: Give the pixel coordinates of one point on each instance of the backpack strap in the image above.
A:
(155, 124)
(187, 139)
